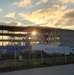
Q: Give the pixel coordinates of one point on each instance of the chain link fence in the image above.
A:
(33, 59)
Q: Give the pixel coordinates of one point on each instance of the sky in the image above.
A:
(48, 13)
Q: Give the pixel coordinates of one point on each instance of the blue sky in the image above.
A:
(52, 13)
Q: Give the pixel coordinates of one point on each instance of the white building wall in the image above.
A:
(52, 49)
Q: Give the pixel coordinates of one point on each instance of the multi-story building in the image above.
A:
(16, 36)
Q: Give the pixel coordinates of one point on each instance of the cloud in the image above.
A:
(67, 19)
(68, 27)
(22, 3)
(37, 17)
(42, 16)
(66, 1)
(57, 16)
(69, 14)
(42, 2)
(1, 10)
(28, 3)
(11, 23)
(10, 15)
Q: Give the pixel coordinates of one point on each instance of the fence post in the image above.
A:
(65, 56)
(15, 57)
(41, 57)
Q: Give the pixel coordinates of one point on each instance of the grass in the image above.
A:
(11, 65)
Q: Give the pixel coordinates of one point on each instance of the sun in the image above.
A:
(33, 33)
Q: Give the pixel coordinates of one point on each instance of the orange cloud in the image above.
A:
(11, 23)
(52, 17)
(42, 16)
(66, 20)
(42, 2)
(10, 15)
(22, 3)
(1, 10)
(67, 1)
